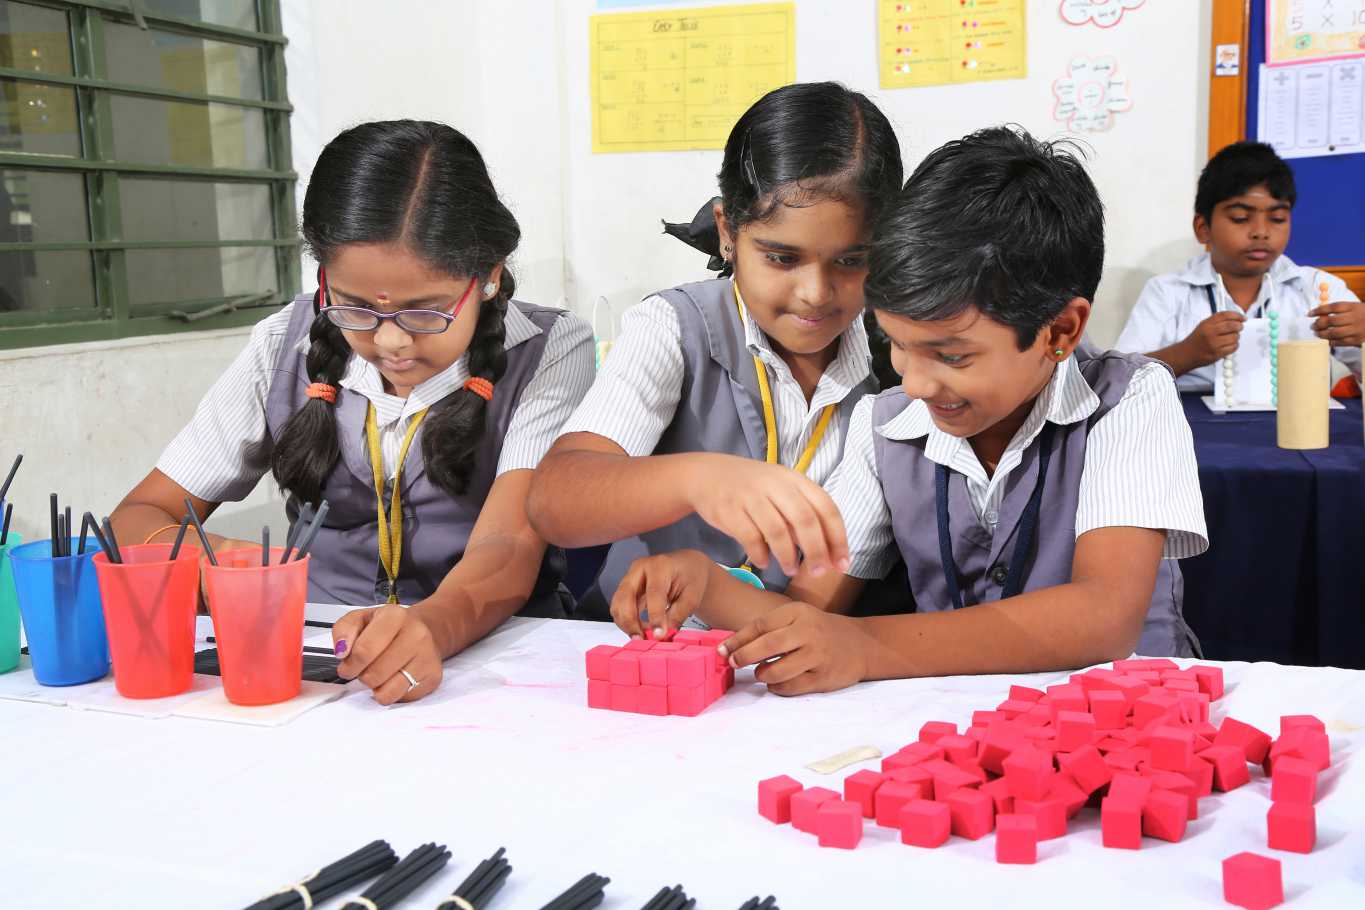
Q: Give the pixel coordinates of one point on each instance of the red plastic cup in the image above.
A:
(149, 605)
(258, 621)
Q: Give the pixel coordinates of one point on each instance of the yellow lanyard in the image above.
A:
(770, 414)
(390, 525)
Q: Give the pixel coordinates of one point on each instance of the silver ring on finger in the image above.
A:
(413, 682)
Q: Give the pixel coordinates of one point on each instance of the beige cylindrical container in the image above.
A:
(1305, 389)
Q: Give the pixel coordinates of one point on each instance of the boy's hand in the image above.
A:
(816, 651)
(1340, 323)
(668, 587)
(378, 643)
(772, 511)
(1215, 337)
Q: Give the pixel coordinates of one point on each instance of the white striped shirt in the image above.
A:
(640, 384)
(225, 449)
(1140, 469)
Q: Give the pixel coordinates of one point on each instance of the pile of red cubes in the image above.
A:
(682, 674)
(1134, 741)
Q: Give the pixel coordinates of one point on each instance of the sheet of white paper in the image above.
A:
(1312, 109)
(215, 706)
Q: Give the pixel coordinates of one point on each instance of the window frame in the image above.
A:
(114, 315)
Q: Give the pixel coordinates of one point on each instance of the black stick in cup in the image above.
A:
(99, 535)
(52, 508)
(4, 487)
(305, 515)
(180, 537)
(313, 528)
(86, 521)
(199, 529)
(265, 546)
(114, 554)
(4, 532)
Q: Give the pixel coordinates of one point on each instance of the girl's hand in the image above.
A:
(379, 643)
(801, 649)
(667, 587)
(772, 511)
(1340, 323)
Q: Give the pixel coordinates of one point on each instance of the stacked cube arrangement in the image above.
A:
(681, 675)
(1133, 740)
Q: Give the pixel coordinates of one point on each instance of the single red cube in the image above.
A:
(1210, 681)
(984, 719)
(861, 787)
(1097, 678)
(638, 644)
(1016, 839)
(623, 669)
(1129, 687)
(711, 662)
(1130, 788)
(667, 645)
(1109, 709)
(1087, 768)
(654, 668)
(839, 823)
(714, 637)
(972, 813)
(916, 753)
(1294, 780)
(714, 687)
(599, 694)
(1251, 741)
(1000, 740)
(1068, 697)
(935, 730)
(1172, 748)
(1201, 774)
(1156, 706)
(960, 750)
(1040, 715)
(1024, 693)
(686, 668)
(1165, 815)
(686, 637)
(775, 798)
(686, 701)
(1229, 766)
(652, 700)
(805, 805)
(1294, 721)
(625, 698)
(1014, 707)
(894, 794)
(1303, 742)
(1049, 814)
(949, 777)
(1194, 707)
(1252, 881)
(915, 774)
(1074, 729)
(999, 792)
(1121, 824)
(1182, 685)
(1292, 827)
(598, 660)
(925, 823)
(1029, 772)
(1179, 783)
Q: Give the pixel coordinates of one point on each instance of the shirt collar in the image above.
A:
(1199, 271)
(1066, 399)
(851, 365)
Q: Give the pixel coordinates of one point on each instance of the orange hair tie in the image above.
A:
(480, 386)
(327, 393)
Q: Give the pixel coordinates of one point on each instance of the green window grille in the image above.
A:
(145, 174)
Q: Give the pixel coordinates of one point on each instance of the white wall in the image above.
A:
(512, 74)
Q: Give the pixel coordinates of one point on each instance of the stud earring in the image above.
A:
(489, 289)
(1059, 353)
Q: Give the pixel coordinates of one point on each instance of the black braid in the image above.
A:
(454, 426)
(308, 447)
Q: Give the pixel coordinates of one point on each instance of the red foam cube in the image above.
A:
(913, 754)
(1182, 685)
(1087, 768)
(861, 787)
(1014, 707)
(1016, 839)
(894, 794)
(652, 700)
(925, 823)
(949, 777)
(1130, 788)
(1068, 697)
(1210, 681)
(686, 637)
(805, 805)
(1229, 766)
(1294, 780)
(839, 823)
(1294, 721)
(1024, 693)
(960, 750)
(1251, 741)
(638, 644)
(1253, 882)
(935, 730)
(1302, 742)
(1156, 706)
(625, 698)
(1179, 783)
(714, 637)
(1109, 709)
(914, 774)
(1000, 740)
(1165, 815)
(775, 798)
(623, 668)
(1292, 827)
(1029, 772)
(654, 668)
(972, 813)
(1049, 814)
(599, 694)
(1194, 707)
(686, 701)
(1131, 688)
(687, 668)
(1074, 729)
(999, 792)
(1201, 775)
(1172, 748)
(598, 660)
(1121, 824)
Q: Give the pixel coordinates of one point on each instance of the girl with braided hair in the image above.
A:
(412, 393)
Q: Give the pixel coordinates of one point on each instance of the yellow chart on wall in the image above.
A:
(945, 42)
(679, 79)
(1300, 31)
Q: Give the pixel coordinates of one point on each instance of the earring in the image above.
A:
(1059, 353)
(489, 289)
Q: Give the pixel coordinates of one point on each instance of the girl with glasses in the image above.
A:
(412, 393)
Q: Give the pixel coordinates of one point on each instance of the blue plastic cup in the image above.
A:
(9, 608)
(59, 599)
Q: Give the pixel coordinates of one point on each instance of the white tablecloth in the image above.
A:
(104, 810)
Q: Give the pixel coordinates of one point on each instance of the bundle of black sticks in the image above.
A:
(753, 903)
(674, 898)
(587, 892)
(347, 872)
(403, 879)
(9, 506)
(479, 887)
